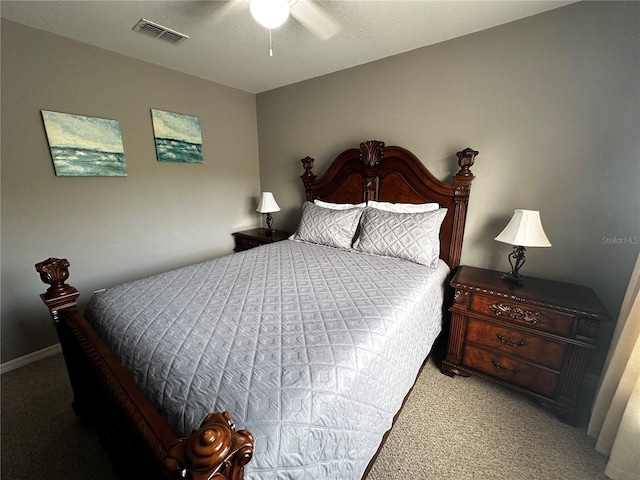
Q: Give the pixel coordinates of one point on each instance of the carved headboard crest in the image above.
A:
(371, 152)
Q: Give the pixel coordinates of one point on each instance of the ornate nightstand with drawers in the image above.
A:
(534, 337)
(256, 237)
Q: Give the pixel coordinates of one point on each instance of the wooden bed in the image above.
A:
(137, 438)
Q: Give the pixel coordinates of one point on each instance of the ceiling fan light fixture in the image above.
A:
(269, 13)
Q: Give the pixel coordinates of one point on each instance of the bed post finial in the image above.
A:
(308, 176)
(59, 295)
(466, 158)
(215, 450)
(462, 187)
(371, 152)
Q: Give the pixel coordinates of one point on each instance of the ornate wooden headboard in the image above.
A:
(394, 174)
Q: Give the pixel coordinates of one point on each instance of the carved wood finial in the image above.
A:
(371, 152)
(307, 163)
(466, 158)
(54, 272)
(216, 451)
(308, 176)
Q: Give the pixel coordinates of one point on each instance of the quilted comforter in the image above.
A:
(311, 348)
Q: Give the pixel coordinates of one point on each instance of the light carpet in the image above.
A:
(450, 428)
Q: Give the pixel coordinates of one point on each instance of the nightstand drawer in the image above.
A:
(535, 317)
(258, 236)
(246, 244)
(511, 370)
(528, 346)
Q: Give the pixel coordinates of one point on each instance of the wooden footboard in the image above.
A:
(138, 440)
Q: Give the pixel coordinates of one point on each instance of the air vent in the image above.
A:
(158, 31)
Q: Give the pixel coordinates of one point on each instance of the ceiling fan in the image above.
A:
(273, 13)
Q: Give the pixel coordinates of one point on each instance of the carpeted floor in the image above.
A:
(460, 428)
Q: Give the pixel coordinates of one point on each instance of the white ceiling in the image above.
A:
(228, 47)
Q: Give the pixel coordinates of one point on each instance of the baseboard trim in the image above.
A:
(30, 358)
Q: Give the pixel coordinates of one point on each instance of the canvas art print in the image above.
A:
(84, 146)
(178, 137)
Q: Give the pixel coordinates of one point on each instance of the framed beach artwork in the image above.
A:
(84, 146)
(178, 137)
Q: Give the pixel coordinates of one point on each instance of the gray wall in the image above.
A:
(111, 229)
(552, 103)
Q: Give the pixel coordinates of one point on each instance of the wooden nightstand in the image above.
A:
(256, 237)
(534, 337)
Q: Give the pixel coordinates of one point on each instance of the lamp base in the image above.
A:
(518, 256)
(512, 278)
(270, 228)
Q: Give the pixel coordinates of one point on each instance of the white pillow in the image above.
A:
(326, 226)
(403, 207)
(339, 206)
(410, 236)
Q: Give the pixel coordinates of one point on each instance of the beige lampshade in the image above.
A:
(525, 230)
(267, 203)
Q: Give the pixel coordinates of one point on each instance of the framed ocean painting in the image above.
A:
(84, 146)
(178, 137)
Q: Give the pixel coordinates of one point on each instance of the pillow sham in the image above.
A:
(410, 236)
(403, 207)
(326, 226)
(339, 206)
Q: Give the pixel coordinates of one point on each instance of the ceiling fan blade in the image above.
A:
(315, 19)
(224, 10)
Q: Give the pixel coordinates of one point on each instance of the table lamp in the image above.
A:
(268, 205)
(523, 230)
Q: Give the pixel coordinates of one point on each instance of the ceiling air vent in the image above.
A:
(158, 31)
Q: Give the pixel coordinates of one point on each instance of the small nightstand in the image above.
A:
(533, 338)
(256, 237)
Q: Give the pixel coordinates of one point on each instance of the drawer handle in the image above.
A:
(521, 343)
(529, 316)
(503, 369)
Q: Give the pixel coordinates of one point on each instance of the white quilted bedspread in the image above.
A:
(310, 348)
